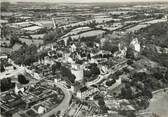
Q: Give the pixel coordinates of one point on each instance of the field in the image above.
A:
(5, 50)
(137, 27)
(159, 104)
(34, 41)
(77, 30)
(87, 34)
(99, 20)
(92, 33)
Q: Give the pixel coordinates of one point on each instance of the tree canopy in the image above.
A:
(22, 79)
(6, 84)
(25, 55)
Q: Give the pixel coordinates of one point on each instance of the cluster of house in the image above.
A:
(36, 99)
(80, 109)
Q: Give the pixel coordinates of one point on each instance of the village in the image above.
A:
(93, 63)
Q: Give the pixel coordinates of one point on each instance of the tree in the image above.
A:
(2, 68)
(42, 54)
(5, 6)
(22, 79)
(140, 76)
(126, 92)
(87, 73)
(72, 78)
(97, 97)
(166, 75)
(130, 114)
(6, 84)
(25, 55)
(101, 102)
(130, 53)
(104, 109)
(12, 19)
(69, 40)
(67, 74)
(55, 66)
(144, 103)
(148, 93)
(109, 45)
(14, 39)
(49, 37)
(130, 62)
(109, 83)
(123, 92)
(158, 75)
(43, 30)
(95, 70)
(89, 41)
(28, 59)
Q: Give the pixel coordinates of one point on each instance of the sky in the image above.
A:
(87, 1)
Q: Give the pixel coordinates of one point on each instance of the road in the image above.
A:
(101, 77)
(65, 102)
(63, 105)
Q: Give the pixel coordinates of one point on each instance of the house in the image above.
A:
(112, 104)
(73, 48)
(103, 70)
(5, 43)
(116, 84)
(41, 110)
(16, 46)
(3, 56)
(135, 45)
(77, 70)
(102, 41)
(47, 60)
(121, 53)
(85, 92)
(9, 67)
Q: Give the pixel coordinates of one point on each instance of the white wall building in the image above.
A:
(77, 70)
(85, 92)
(135, 45)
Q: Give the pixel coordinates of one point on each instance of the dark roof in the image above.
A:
(16, 103)
(83, 89)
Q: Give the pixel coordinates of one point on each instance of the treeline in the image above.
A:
(26, 55)
(150, 37)
(140, 85)
(5, 6)
(7, 84)
(55, 34)
(155, 34)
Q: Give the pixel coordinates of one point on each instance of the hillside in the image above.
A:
(153, 37)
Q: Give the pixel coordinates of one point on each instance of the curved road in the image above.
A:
(105, 76)
(63, 105)
(65, 102)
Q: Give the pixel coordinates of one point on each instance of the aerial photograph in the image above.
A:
(84, 58)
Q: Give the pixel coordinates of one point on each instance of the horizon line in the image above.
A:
(159, 1)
